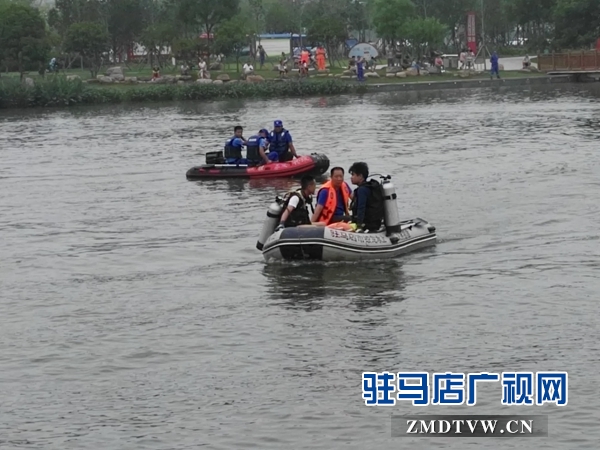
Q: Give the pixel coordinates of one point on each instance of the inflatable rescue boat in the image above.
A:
(314, 164)
(318, 242)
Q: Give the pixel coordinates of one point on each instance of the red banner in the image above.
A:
(471, 36)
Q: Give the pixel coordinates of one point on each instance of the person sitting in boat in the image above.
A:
(367, 199)
(233, 147)
(281, 147)
(295, 210)
(256, 147)
(333, 199)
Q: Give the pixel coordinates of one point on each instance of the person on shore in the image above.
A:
(155, 73)
(333, 199)
(296, 205)
(247, 69)
(526, 62)
(320, 58)
(283, 70)
(367, 200)
(202, 69)
(462, 59)
(281, 147)
(495, 66)
(470, 60)
(262, 55)
(305, 57)
(360, 69)
(233, 147)
(352, 64)
(256, 147)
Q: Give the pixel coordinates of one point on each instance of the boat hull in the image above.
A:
(327, 244)
(315, 164)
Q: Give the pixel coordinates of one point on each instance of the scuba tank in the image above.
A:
(273, 215)
(391, 214)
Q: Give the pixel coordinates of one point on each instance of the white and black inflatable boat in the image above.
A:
(317, 242)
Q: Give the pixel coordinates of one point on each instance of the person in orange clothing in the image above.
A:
(333, 199)
(321, 57)
(304, 56)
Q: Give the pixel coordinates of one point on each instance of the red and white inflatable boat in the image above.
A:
(315, 164)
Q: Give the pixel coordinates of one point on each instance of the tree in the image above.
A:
(329, 30)
(281, 18)
(425, 34)
(90, 40)
(231, 37)
(156, 37)
(125, 22)
(577, 23)
(206, 15)
(67, 12)
(452, 13)
(534, 17)
(22, 36)
(358, 18)
(390, 18)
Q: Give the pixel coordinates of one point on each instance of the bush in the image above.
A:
(58, 91)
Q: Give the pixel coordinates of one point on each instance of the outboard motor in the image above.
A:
(391, 214)
(273, 216)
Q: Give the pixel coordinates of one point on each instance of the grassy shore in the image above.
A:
(56, 90)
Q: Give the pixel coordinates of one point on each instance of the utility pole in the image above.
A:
(483, 37)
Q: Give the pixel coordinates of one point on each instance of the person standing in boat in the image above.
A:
(281, 147)
(295, 210)
(333, 199)
(233, 147)
(256, 147)
(367, 199)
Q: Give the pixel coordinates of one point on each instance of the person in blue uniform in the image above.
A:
(495, 66)
(233, 147)
(281, 147)
(256, 147)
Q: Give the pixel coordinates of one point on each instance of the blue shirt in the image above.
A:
(236, 142)
(340, 210)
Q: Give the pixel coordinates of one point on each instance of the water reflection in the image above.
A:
(358, 285)
(273, 186)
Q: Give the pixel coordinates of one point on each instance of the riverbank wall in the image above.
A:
(469, 84)
(60, 91)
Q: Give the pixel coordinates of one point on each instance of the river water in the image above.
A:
(136, 312)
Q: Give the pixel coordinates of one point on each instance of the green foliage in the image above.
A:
(124, 21)
(58, 91)
(187, 49)
(425, 33)
(282, 18)
(205, 15)
(232, 37)
(391, 16)
(577, 23)
(88, 39)
(22, 36)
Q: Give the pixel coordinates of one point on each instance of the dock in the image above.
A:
(580, 76)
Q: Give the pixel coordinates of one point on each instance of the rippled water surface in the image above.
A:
(135, 311)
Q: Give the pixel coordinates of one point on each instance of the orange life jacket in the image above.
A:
(331, 203)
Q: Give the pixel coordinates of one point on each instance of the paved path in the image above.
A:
(512, 63)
